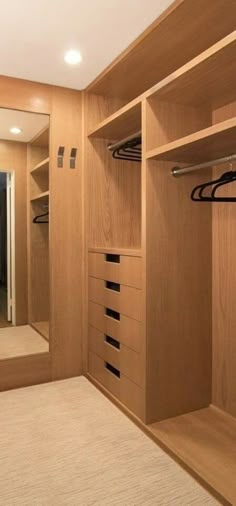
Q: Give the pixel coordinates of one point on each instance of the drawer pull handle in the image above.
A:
(112, 286)
(112, 314)
(113, 342)
(115, 259)
(112, 369)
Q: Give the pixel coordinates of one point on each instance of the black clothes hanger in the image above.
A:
(226, 178)
(38, 219)
(131, 150)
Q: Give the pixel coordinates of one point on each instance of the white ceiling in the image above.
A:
(30, 124)
(36, 33)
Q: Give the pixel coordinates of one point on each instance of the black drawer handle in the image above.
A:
(112, 314)
(112, 369)
(112, 286)
(115, 259)
(113, 342)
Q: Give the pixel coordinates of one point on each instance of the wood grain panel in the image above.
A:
(178, 35)
(114, 190)
(224, 290)
(127, 330)
(178, 302)
(129, 362)
(25, 95)
(25, 371)
(122, 388)
(127, 302)
(13, 158)
(205, 442)
(127, 272)
(66, 236)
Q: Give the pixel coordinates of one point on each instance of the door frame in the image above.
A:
(11, 245)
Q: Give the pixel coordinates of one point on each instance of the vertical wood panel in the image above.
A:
(224, 289)
(66, 236)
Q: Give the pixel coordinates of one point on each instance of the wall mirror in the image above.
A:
(24, 233)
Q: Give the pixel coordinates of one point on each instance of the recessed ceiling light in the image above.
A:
(73, 57)
(15, 130)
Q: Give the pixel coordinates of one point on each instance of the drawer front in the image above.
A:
(126, 330)
(121, 387)
(127, 301)
(124, 270)
(126, 360)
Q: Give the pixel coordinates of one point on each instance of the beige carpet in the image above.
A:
(64, 443)
(20, 341)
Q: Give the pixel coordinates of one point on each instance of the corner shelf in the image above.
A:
(42, 328)
(207, 144)
(41, 168)
(41, 196)
(121, 124)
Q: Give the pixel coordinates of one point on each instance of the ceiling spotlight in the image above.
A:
(15, 130)
(73, 57)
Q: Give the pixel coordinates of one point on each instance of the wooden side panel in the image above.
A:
(224, 290)
(66, 236)
(178, 305)
(25, 371)
(13, 158)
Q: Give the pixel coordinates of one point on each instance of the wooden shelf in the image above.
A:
(117, 251)
(40, 196)
(165, 46)
(200, 80)
(42, 328)
(212, 142)
(41, 140)
(121, 124)
(41, 168)
(205, 442)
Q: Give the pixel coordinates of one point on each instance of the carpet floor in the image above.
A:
(65, 444)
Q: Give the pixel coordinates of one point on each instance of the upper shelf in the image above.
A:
(41, 140)
(41, 168)
(121, 124)
(170, 42)
(208, 78)
(208, 144)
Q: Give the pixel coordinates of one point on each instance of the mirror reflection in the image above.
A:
(24, 233)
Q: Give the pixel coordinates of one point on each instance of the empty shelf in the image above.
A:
(42, 328)
(41, 139)
(200, 81)
(121, 124)
(41, 168)
(41, 196)
(213, 142)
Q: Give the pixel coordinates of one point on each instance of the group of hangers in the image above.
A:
(198, 193)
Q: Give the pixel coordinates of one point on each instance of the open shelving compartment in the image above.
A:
(191, 118)
(38, 240)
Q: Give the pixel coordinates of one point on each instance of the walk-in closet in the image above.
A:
(125, 261)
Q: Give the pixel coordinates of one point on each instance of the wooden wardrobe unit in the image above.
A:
(161, 282)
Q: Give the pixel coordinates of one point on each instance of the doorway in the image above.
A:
(7, 249)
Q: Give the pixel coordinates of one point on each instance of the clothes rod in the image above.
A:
(177, 171)
(112, 147)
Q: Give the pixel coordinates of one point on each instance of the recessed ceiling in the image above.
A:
(30, 124)
(36, 34)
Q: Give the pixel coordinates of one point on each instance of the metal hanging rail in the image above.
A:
(177, 171)
(119, 144)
